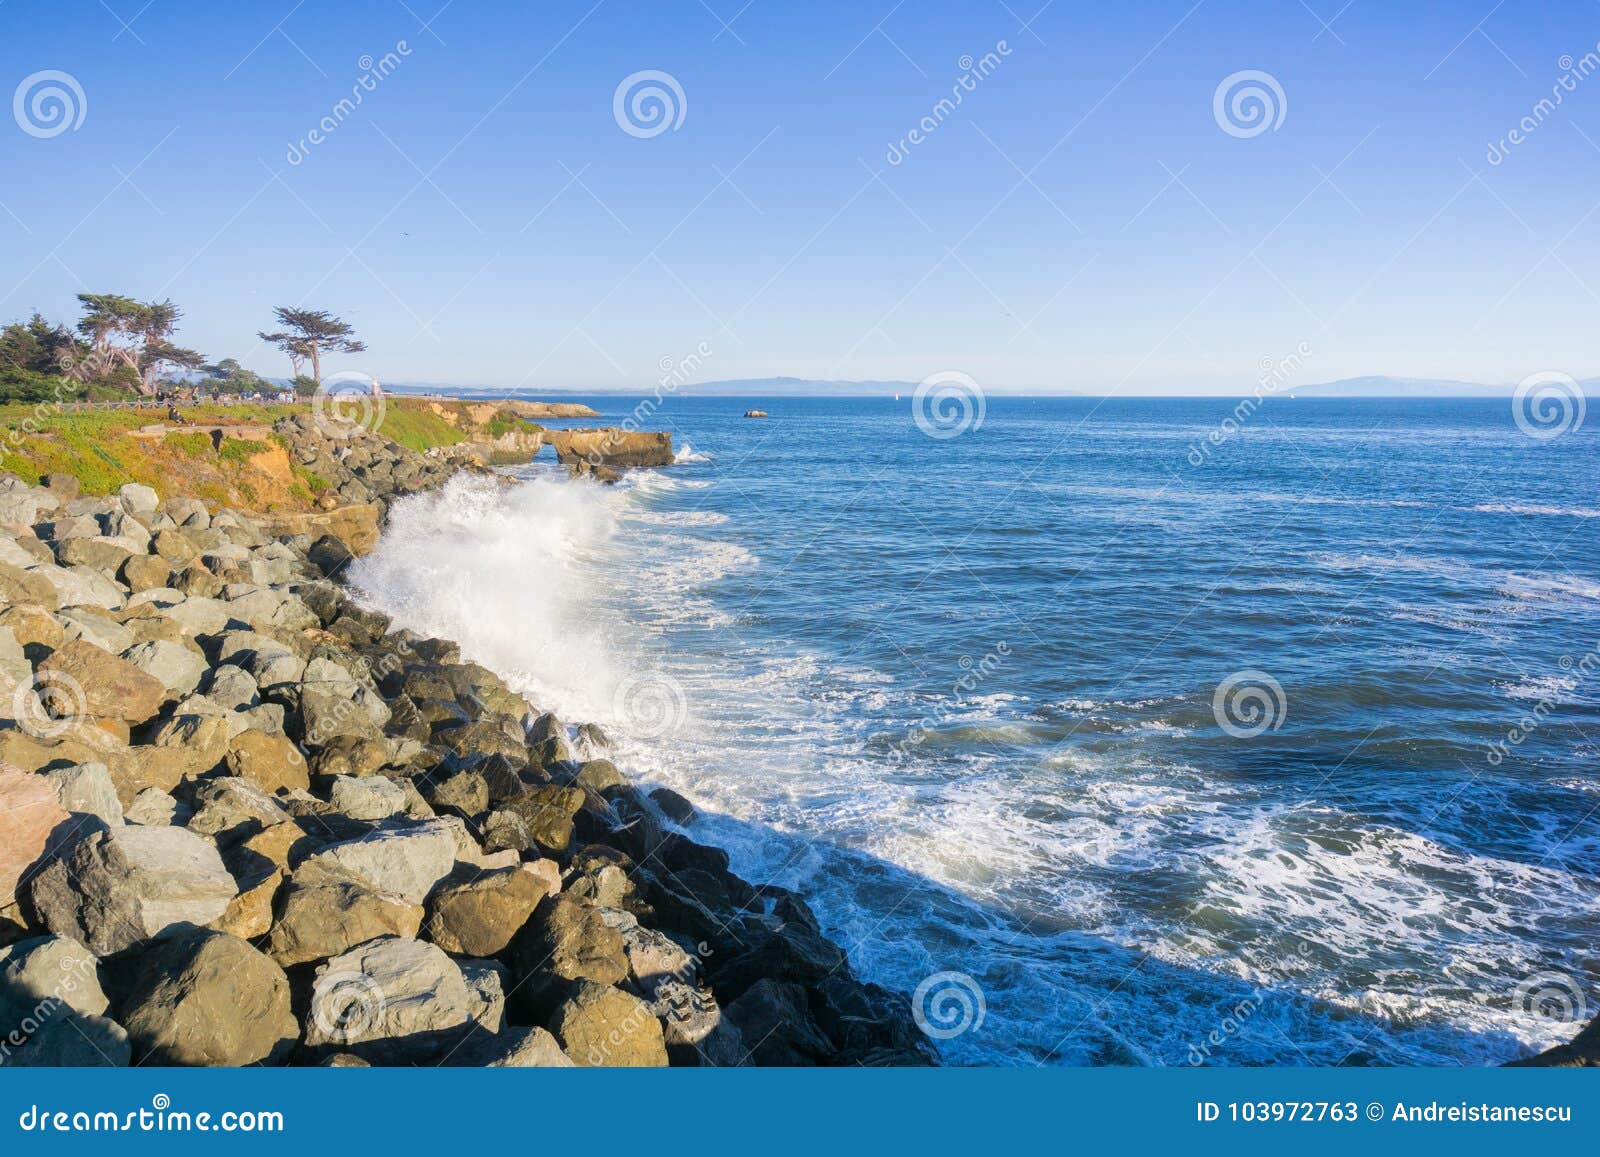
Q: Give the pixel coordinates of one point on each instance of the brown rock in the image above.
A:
(599, 1025)
(271, 762)
(111, 687)
(325, 917)
(479, 914)
(33, 626)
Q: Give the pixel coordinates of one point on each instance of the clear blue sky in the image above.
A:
(1080, 221)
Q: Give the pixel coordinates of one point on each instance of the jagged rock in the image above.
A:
(33, 627)
(506, 831)
(599, 776)
(548, 812)
(478, 914)
(177, 667)
(27, 586)
(367, 798)
(323, 916)
(513, 1047)
(599, 1025)
(486, 981)
(86, 789)
(773, 1016)
(152, 807)
(208, 998)
(119, 887)
(407, 860)
(29, 815)
(466, 794)
(232, 807)
(565, 941)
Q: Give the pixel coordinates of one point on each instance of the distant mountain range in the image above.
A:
(1372, 386)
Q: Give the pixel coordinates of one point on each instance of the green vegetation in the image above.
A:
(417, 428)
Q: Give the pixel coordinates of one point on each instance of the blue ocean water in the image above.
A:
(964, 693)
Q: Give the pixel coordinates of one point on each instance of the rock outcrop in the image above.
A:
(611, 446)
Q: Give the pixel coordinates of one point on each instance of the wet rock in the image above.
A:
(674, 806)
(774, 1018)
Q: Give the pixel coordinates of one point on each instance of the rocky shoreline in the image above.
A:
(245, 821)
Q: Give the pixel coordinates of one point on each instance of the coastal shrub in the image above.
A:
(417, 429)
(191, 445)
(241, 449)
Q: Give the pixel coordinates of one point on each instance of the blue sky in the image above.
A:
(1081, 221)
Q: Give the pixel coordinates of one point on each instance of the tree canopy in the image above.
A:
(310, 333)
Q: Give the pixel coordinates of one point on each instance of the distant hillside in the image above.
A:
(1378, 386)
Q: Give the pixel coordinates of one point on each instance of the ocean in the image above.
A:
(1155, 738)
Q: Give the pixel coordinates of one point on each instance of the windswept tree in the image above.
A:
(307, 334)
(123, 331)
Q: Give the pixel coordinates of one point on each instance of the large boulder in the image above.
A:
(602, 1026)
(405, 860)
(322, 917)
(390, 997)
(105, 686)
(478, 913)
(87, 789)
(271, 762)
(565, 941)
(120, 887)
(52, 1008)
(207, 998)
(30, 814)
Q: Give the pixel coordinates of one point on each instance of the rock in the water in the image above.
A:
(599, 1025)
(207, 998)
(29, 815)
(773, 1016)
(119, 887)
